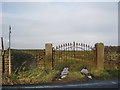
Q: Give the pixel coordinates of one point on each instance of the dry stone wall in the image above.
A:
(24, 59)
(112, 55)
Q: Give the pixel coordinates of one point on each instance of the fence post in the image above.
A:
(1, 67)
(48, 56)
(100, 55)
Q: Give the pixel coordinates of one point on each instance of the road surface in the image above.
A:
(113, 83)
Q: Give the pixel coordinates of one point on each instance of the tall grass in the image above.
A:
(30, 77)
(37, 75)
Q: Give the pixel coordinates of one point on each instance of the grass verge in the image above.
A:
(35, 76)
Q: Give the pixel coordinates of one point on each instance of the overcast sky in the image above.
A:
(36, 23)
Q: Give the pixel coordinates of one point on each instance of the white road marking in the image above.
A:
(114, 82)
(74, 85)
(71, 85)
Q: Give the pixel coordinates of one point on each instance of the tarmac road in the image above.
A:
(113, 83)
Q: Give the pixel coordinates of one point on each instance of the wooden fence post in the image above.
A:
(1, 67)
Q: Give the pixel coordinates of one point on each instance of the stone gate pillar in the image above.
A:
(100, 55)
(48, 56)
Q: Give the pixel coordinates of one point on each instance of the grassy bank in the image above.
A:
(29, 77)
(35, 76)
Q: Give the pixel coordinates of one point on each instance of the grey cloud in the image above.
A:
(56, 23)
